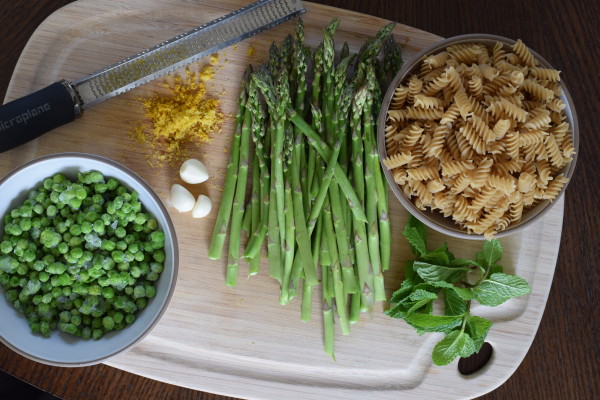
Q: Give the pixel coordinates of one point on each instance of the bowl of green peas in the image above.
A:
(88, 259)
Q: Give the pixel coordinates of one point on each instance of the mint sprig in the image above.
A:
(438, 273)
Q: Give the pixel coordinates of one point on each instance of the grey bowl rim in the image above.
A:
(170, 225)
(535, 213)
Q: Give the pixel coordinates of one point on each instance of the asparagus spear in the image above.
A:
(274, 238)
(315, 101)
(302, 233)
(324, 151)
(288, 244)
(237, 212)
(220, 230)
(307, 289)
(261, 140)
(328, 329)
(381, 189)
(338, 286)
(255, 213)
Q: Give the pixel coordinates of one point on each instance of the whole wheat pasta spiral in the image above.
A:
(480, 135)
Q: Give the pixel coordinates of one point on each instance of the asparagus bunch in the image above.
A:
(317, 195)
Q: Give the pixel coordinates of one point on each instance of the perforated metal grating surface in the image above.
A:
(184, 49)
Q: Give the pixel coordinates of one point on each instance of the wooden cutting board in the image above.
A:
(240, 341)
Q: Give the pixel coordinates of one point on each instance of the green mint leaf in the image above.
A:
(421, 294)
(468, 347)
(496, 269)
(464, 293)
(461, 262)
(402, 293)
(398, 311)
(410, 274)
(439, 256)
(453, 303)
(456, 343)
(500, 287)
(418, 246)
(435, 273)
(416, 234)
(441, 284)
(420, 304)
(492, 252)
(478, 329)
(434, 323)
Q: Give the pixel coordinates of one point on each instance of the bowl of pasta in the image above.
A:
(478, 136)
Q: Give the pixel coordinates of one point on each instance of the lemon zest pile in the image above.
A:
(187, 115)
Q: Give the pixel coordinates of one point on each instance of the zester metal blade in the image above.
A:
(183, 49)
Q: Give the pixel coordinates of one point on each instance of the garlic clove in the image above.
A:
(193, 171)
(181, 198)
(202, 207)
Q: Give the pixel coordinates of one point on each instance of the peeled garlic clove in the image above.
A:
(202, 207)
(181, 198)
(193, 171)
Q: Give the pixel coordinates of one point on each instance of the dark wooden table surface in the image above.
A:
(564, 359)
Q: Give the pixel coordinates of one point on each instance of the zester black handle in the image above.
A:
(31, 116)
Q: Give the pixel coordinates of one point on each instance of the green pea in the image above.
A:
(86, 227)
(51, 211)
(138, 292)
(6, 247)
(76, 252)
(118, 256)
(99, 226)
(150, 291)
(108, 323)
(141, 303)
(100, 188)
(63, 248)
(25, 225)
(75, 203)
(120, 232)
(108, 292)
(159, 256)
(95, 290)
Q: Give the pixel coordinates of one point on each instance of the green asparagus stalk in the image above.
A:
(392, 59)
(363, 264)
(255, 213)
(274, 239)
(328, 329)
(381, 188)
(372, 228)
(306, 305)
(247, 219)
(315, 211)
(220, 230)
(337, 283)
(315, 101)
(238, 201)
(357, 145)
(302, 233)
(345, 51)
(264, 81)
(355, 307)
(307, 289)
(261, 137)
(324, 151)
(288, 244)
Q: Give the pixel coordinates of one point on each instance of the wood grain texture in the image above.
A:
(551, 368)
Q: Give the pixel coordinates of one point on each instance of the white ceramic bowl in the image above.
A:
(63, 349)
(434, 219)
